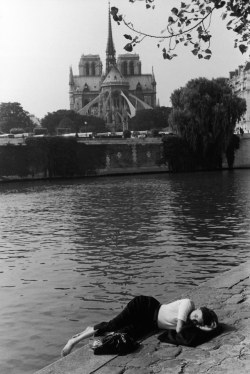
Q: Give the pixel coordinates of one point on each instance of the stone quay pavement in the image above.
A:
(228, 294)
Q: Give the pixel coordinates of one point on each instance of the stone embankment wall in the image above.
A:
(242, 157)
(41, 158)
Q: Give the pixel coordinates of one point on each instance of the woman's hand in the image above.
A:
(208, 328)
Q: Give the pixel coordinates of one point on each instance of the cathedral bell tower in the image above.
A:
(110, 50)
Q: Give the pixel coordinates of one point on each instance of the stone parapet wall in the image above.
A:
(133, 157)
(72, 158)
(242, 156)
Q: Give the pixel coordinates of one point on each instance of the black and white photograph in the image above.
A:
(124, 186)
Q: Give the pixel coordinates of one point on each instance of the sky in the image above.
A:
(41, 39)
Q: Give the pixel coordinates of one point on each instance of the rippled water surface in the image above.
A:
(73, 253)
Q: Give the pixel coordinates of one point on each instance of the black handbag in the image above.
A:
(114, 343)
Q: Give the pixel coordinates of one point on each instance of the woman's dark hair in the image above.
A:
(209, 316)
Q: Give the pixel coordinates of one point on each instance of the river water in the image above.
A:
(74, 252)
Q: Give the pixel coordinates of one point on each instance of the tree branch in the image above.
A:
(169, 36)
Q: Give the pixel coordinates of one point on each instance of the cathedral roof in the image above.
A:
(114, 76)
(128, 56)
(89, 55)
(93, 82)
(146, 81)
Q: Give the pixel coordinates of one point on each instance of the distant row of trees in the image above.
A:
(13, 116)
(203, 117)
(69, 119)
(149, 119)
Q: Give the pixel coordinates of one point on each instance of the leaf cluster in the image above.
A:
(189, 24)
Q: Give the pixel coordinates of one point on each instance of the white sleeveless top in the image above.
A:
(170, 313)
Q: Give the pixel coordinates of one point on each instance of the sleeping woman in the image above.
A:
(144, 314)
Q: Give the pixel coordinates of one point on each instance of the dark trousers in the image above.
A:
(138, 318)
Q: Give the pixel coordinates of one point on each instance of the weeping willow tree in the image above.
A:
(204, 115)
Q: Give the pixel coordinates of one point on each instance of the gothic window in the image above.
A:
(138, 91)
(131, 68)
(115, 97)
(147, 99)
(93, 68)
(87, 68)
(124, 68)
(138, 87)
(86, 87)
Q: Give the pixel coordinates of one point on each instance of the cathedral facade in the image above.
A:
(115, 93)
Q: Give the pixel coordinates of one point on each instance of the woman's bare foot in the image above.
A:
(68, 347)
(89, 331)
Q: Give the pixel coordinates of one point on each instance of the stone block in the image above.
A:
(235, 299)
(138, 371)
(143, 361)
(110, 370)
(196, 354)
(234, 365)
(81, 361)
(245, 282)
(167, 352)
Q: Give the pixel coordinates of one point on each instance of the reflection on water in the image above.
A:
(75, 252)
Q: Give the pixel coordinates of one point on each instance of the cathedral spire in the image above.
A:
(71, 79)
(110, 50)
(153, 75)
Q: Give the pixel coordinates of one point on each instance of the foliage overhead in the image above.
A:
(12, 115)
(189, 24)
(205, 113)
(72, 120)
(148, 119)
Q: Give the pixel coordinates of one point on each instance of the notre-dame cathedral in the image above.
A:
(114, 94)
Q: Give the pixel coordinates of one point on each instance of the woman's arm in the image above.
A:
(179, 326)
(185, 308)
(89, 331)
